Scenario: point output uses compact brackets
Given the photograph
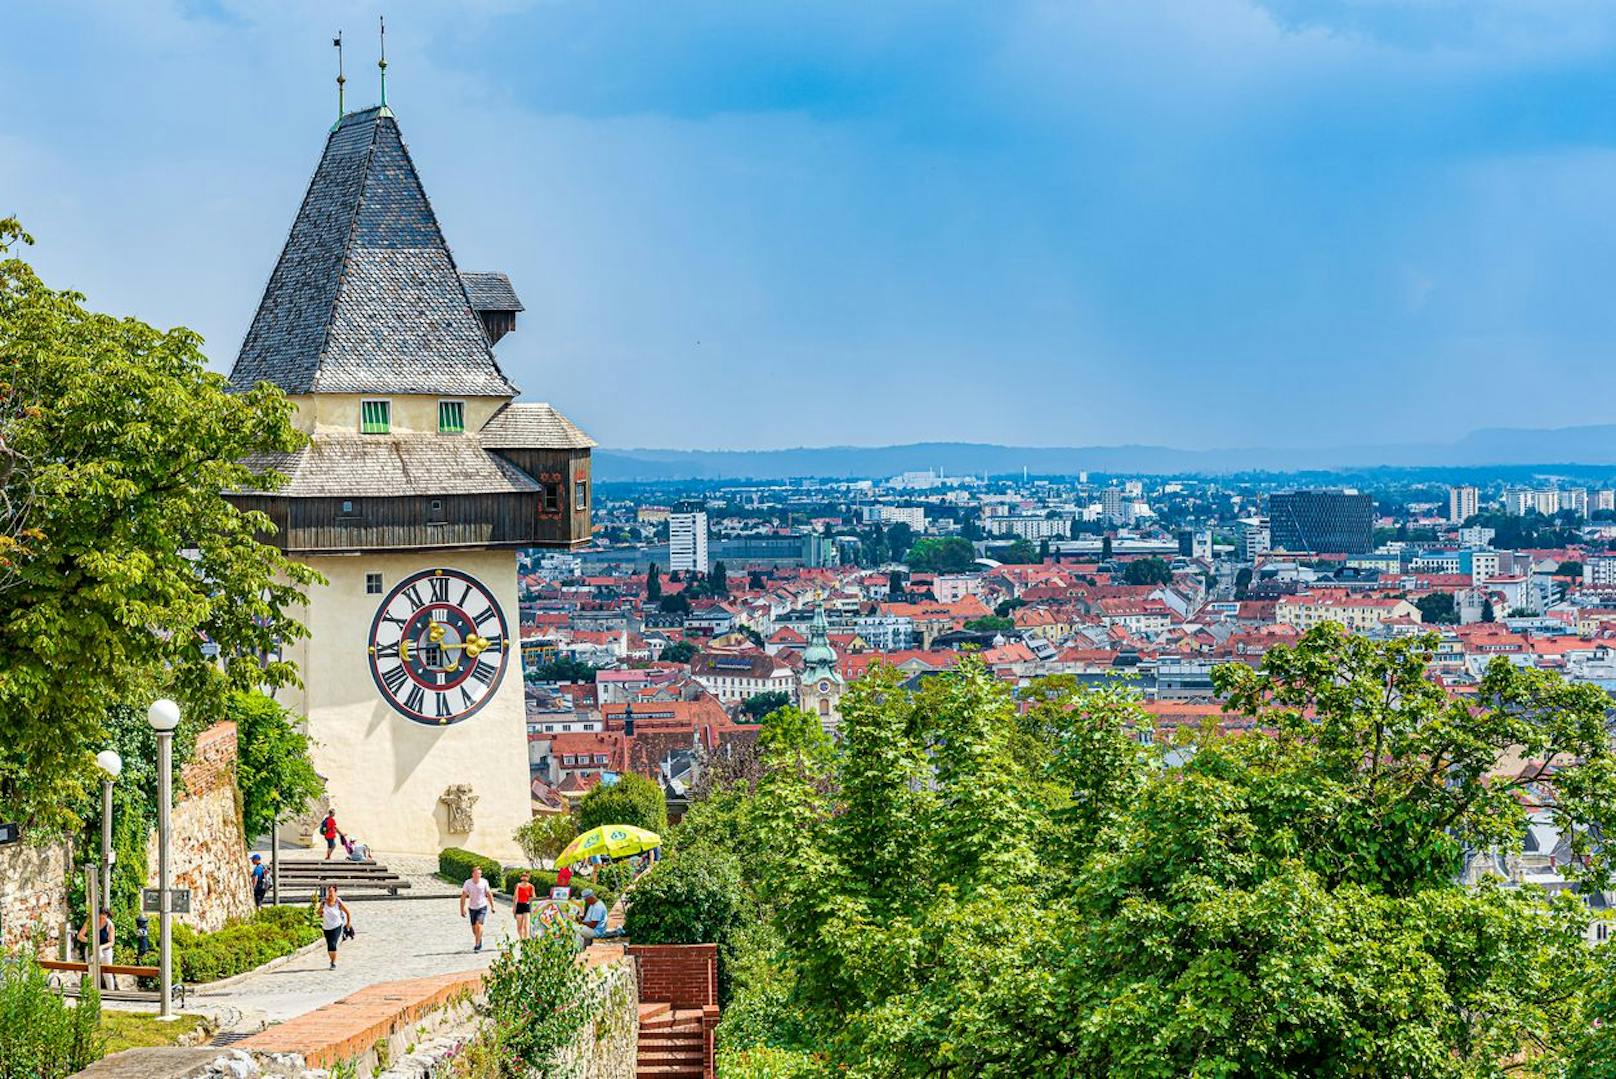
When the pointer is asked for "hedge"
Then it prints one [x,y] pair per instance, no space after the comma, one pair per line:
[455,866]
[242,946]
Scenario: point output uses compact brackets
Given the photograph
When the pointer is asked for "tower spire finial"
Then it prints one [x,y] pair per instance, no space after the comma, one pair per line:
[382,63]
[341,79]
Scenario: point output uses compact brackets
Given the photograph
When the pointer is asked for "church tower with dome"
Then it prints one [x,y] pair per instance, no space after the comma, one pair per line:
[820,689]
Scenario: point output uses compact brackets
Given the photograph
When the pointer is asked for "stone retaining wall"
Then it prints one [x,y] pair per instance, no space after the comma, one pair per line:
[33,892]
[208,850]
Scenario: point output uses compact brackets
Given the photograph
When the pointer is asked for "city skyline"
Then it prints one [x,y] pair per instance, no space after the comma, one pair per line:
[1209,227]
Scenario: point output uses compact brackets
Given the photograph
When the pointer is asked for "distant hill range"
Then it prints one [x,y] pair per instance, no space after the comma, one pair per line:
[1496,447]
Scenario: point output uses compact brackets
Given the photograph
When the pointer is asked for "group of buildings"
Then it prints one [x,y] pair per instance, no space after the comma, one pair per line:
[1160,602]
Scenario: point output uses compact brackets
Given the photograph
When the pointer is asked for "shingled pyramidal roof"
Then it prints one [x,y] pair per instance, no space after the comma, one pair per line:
[366,297]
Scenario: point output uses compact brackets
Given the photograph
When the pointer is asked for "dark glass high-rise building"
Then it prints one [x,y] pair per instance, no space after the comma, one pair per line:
[1321,522]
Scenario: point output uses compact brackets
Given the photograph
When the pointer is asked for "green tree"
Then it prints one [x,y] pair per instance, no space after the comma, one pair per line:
[1147,571]
[1020,552]
[633,799]
[1242,582]
[545,836]
[755,581]
[1569,568]
[1438,609]
[945,554]
[1105,547]
[759,705]
[679,652]
[895,585]
[273,771]
[125,567]
[990,624]
[653,583]
[718,580]
[1488,614]
[675,603]
[564,669]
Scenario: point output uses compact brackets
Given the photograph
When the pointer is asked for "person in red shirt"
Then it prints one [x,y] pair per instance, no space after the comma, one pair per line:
[329,830]
[524,905]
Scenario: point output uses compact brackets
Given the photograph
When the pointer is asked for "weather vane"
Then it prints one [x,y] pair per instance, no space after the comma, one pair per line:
[382,63]
[337,41]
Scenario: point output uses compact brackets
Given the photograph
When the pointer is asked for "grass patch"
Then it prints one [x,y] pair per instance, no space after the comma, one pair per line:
[135,1030]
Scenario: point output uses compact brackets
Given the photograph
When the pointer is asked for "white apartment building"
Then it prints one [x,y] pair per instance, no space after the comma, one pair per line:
[1576,499]
[1116,506]
[1517,500]
[1476,536]
[1033,528]
[1604,499]
[687,541]
[913,516]
[1256,539]
[1463,503]
[1599,570]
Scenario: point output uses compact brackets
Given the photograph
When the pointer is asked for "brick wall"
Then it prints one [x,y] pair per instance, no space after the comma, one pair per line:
[33,892]
[684,975]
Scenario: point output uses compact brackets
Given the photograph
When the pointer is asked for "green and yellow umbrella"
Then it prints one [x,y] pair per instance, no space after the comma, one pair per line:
[612,840]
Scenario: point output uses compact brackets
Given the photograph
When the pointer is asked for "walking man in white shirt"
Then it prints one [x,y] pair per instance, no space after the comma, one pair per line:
[476,897]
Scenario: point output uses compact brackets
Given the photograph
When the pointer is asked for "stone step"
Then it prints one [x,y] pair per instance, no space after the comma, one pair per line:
[674,1033]
[672,1056]
[650,1012]
[671,1071]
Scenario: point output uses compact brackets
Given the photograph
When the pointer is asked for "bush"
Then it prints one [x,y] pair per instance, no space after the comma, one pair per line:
[768,1063]
[242,946]
[694,897]
[40,1036]
[455,866]
[539,998]
[633,799]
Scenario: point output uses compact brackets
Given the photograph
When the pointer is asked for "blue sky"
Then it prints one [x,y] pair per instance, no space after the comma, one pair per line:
[1208,223]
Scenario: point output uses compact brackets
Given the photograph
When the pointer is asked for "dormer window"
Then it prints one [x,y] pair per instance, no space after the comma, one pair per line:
[375,417]
[451,417]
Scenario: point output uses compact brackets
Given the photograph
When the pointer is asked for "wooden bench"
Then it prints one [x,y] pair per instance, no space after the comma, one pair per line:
[70,987]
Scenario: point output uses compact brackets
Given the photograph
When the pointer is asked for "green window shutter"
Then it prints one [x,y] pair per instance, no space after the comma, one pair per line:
[375,417]
[451,417]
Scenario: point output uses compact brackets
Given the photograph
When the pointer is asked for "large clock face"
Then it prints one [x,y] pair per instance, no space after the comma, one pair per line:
[438,646]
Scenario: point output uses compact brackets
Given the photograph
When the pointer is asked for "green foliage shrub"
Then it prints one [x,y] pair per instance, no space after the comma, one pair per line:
[40,1036]
[539,998]
[633,799]
[455,866]
[546,835]
[694,897]
[242,946]
[767,1062]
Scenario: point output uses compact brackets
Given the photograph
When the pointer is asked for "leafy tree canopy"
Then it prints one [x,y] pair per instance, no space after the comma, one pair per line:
[759,705]
[124,567]
[992,623]
[679,652]
[946,554]
[633,799]
[1438,609]
[1147,571]
[964,886]
[564,669]
[273,770]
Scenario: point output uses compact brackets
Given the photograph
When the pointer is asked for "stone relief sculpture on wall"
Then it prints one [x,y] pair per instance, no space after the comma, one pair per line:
[457,801]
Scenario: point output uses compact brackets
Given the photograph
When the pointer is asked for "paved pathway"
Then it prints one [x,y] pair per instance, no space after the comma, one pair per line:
[393,938]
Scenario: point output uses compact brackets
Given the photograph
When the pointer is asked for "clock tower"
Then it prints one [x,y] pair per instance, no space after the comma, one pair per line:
[421,478]
[820,688]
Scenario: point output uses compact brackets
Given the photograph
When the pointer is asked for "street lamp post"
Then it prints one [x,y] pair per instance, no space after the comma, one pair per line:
[112,766]
[164,716]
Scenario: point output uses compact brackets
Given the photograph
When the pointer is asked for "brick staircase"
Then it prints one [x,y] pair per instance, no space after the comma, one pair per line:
[672,1043]
[678,1010]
